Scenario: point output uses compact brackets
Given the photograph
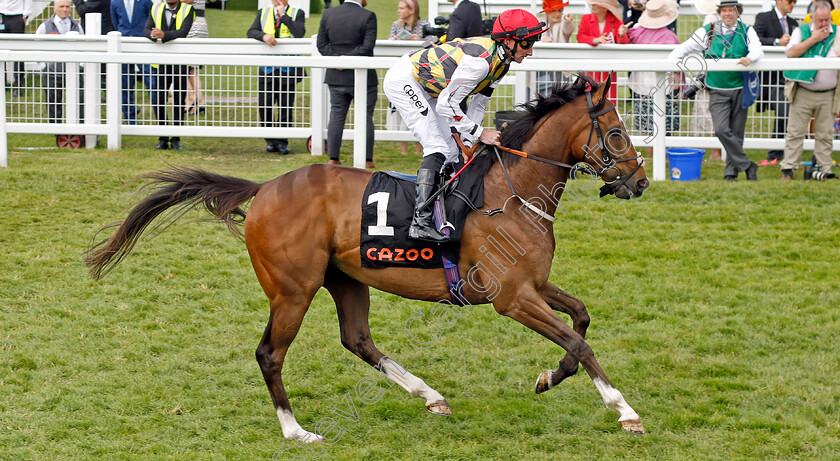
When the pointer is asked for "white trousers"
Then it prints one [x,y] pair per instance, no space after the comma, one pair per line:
[417,109]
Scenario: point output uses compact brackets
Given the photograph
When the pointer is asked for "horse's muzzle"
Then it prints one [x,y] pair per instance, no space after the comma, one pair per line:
[622,191]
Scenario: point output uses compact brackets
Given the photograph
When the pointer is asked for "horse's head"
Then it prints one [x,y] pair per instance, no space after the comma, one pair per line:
[605,145]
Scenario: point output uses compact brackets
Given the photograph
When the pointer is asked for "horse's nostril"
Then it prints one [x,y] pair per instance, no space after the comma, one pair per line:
[642,184]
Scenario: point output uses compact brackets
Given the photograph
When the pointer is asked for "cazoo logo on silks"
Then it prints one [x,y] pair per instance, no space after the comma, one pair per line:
[414,97]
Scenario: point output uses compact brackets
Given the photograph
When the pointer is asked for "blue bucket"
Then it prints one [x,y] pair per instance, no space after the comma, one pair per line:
[685,163]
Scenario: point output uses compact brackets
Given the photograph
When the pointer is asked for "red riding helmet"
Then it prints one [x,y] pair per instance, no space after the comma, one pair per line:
[517,24]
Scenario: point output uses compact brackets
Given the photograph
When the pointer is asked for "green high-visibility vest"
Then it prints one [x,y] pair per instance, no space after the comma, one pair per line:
[733,46]
[820,49]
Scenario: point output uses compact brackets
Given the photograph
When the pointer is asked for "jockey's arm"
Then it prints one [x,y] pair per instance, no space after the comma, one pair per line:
[470,72]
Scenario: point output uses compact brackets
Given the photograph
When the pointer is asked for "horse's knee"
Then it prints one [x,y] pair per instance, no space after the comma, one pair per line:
[579,349]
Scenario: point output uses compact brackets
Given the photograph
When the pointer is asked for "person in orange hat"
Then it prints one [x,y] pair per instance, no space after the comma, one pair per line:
[560,26]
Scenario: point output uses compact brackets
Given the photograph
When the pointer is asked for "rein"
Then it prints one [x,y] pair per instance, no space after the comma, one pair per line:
[607,159]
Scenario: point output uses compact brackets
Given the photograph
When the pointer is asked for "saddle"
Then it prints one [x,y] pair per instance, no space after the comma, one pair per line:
[387,210]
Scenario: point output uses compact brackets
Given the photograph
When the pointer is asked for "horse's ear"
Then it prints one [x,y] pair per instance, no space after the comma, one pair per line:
[605,87]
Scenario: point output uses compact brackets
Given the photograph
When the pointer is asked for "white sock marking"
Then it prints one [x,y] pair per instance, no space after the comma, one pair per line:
[414,385]
[615,401]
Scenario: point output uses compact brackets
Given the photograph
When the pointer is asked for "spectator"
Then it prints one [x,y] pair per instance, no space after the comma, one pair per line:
[601,26]
[835,13]
[560,26]
[53,77]
[129,17]
[632,10]
[560,29]
[103,7]
[814,93]
[195,98]
[15,14]
[347,30]
[465,20]
[727,39]
[168,21]
[277,85]
[409,26]
[429,86]
[773,29]
[652,29]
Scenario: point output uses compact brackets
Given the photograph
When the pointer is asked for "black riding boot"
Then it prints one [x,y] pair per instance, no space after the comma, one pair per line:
[422,226]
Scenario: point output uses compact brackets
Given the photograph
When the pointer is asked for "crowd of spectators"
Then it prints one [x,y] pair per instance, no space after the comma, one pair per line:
[720,99]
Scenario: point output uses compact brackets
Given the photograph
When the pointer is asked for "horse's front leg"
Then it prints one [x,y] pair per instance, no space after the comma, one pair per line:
[561,301]
[528,308]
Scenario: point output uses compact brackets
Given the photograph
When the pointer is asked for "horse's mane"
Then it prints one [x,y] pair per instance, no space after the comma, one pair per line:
[521,130]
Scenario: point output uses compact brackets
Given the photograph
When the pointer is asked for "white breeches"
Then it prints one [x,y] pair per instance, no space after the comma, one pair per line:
[417,109]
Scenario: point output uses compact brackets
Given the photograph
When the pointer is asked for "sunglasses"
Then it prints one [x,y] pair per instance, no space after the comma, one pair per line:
[527,44]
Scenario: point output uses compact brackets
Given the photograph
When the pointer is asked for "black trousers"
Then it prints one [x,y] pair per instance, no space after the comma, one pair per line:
[54,83]
[340,97]
[15,25]
[175,76]
[276,88]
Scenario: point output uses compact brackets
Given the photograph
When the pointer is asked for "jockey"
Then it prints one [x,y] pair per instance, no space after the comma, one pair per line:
[429,88]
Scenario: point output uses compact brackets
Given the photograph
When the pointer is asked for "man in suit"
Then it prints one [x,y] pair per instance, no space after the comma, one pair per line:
[347,30]
[773,29]
[15,14]
[102,7]
[167,22]
[129,17]
[465,20]
[277,84]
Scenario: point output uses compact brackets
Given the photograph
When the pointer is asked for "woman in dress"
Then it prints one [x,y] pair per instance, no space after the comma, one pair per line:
[199,29]
[602,26]
[652,29]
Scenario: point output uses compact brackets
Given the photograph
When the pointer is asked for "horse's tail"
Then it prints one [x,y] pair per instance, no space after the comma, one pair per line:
[182,188]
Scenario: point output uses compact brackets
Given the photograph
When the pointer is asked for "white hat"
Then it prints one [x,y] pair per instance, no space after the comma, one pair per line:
[659,13]
[610,5]
[706,6]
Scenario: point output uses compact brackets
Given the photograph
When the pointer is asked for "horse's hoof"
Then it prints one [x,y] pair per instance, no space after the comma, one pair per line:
[633,426]
[307,437]
[439,408]
[543,382]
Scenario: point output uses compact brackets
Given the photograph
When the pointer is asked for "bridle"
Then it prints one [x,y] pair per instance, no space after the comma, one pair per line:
[608,161]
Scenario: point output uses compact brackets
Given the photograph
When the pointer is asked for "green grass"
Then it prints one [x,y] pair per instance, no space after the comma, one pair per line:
[713,310]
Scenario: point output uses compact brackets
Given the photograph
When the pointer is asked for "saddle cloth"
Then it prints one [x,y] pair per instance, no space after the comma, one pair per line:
[387,211]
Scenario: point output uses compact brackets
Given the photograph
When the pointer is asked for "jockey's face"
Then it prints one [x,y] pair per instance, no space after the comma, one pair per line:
[521,52]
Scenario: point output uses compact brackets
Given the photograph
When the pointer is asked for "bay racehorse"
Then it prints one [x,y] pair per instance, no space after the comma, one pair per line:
[302,232]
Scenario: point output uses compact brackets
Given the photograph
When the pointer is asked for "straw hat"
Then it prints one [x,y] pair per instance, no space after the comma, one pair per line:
[610,5]
[659,13]
[706,6]
[551,5]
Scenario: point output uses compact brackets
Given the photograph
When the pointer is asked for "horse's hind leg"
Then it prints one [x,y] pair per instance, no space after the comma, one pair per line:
[561,301]
[531,310]
[287,313]
[352,300]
